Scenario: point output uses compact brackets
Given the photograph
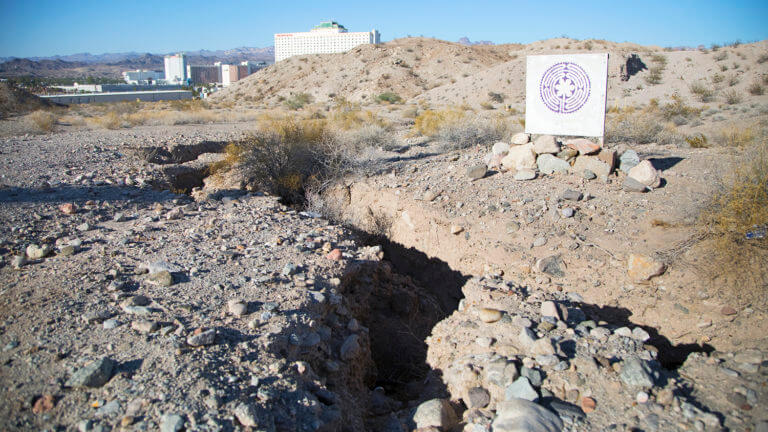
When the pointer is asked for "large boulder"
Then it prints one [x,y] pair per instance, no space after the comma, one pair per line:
[583,146]
[520,157]
[592,163]
[435,413]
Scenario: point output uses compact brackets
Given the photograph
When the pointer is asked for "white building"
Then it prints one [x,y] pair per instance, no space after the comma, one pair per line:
[176,69]
[325,38]
[141,76]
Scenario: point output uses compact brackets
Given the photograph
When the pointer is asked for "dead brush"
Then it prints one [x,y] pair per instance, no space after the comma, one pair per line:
[42,121]
[735,223]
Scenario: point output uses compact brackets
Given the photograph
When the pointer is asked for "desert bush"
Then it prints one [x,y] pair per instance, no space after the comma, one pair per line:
[702,92]
[677,107]
[346,116]
[389,97]
[756,89]
[110,120]
[486,105]
[641,127]
[762,58]
[720,56]
[733,79]
[297,101]
[738,207]
[496,97]
[284,156]
[697,141]
[717,78]
[471,131]
[740,135]
[654,75]
[371,135]
[731,97]
[42,121]
[429,122]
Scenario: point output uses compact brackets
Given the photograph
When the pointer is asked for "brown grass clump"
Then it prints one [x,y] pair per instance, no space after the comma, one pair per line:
[702,92]
[647,125]
[740,135]
[429,122]
[42,121]
[756,89]
[734,222]
[732,97]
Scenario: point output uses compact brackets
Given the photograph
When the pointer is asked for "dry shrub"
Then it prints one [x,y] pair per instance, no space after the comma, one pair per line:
[702,92]
[110,120]
[731,97]
[42,121]
[472,131]
[737,210]
[643,126]
[756,89]
[429,122]
[370,135]
[741,135]
[347,116]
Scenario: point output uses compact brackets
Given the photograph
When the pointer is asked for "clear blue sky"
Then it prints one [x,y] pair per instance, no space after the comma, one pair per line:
[48,27]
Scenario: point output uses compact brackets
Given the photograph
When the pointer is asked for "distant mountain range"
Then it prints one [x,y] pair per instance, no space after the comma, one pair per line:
[110,65]
[465,41]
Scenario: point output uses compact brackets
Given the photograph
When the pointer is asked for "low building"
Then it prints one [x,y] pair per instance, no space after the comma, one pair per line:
[204,74]
[232,73]
[325,38]
[175,69]
[141,76]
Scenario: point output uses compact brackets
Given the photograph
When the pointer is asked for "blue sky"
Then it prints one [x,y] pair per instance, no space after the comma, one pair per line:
[46,27]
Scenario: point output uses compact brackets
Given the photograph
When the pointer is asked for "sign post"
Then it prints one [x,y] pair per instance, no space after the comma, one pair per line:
[566,94]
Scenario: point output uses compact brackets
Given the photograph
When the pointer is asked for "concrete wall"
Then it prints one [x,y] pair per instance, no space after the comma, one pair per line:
[119,97]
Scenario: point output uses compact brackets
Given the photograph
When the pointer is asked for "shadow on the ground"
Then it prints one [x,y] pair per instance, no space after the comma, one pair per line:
[81,194]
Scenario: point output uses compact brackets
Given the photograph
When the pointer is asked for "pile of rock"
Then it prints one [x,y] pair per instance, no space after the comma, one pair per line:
[525,159]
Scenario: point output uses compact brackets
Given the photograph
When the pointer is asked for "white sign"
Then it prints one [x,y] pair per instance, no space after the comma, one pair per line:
[565,94]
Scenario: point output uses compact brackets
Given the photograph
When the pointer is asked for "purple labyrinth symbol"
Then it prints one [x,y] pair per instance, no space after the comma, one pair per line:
[564,88]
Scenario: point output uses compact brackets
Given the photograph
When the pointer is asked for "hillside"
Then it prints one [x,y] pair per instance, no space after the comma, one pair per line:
[446,73]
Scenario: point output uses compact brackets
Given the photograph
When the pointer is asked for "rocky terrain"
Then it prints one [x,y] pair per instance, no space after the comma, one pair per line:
[535,283]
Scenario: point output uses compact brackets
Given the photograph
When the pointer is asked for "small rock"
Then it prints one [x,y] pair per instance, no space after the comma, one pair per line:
[162,278]
[18,261]
[551,265]
[524,174]
[549,309]
[500,148]
[728,311]
[201,337]
[545,144]
[237,307]
[171,423]
[521,415]
[632,185]
[68,208]
[350,348]
[246,414]
[520,157]
[145,326]
[66,251]
[436,413]
[645,173]
[636,373]
[36,252]
[521,389]
[334,255]
[520,138]
[539,241]
[642,397]
[592,163]
[83,227]
[572,195]
[588,404]
[44,404]
[476,172]
[95,374]
[588,175]
[478,397]
[549,164]
[639,334]
[642,268]
[456,229]
[566,213]
[628,160]
[583,146]
[488,315]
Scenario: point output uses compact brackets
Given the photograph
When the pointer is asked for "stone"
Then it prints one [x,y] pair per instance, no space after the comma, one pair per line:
[751,356]
[44,404]
[608,157]
[549,309]
[350,348]
[636,373]
[488,315]
[642,397]
[520,138]
[543,346]
[334,255]
[592,163]
[639,334]
[436,413]
[539,241]
[728,311]
[645,173]
[525,174]
[567,154]
[588,404]
[500,148]
[623,332]
[163,278]
[202,337]
[237,307]
[478,397]
[456,229]
[520,415]
[476,172]
[642,268]
[246,414]
[145,326]
[549,164]
[68,208]
[36,252]
[545,144]
[119,217]
[534,376]
[588,175]
[632,185]
[526,338]
[567,212]
[83,227]
[171,423]
[551,265]
[95,374]
[520,157]
[18,261]
[521,389]
[571,195]
[628,160]
[66,251]
[583,146]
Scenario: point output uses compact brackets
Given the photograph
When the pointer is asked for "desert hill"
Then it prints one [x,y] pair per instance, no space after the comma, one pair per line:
[446,73]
